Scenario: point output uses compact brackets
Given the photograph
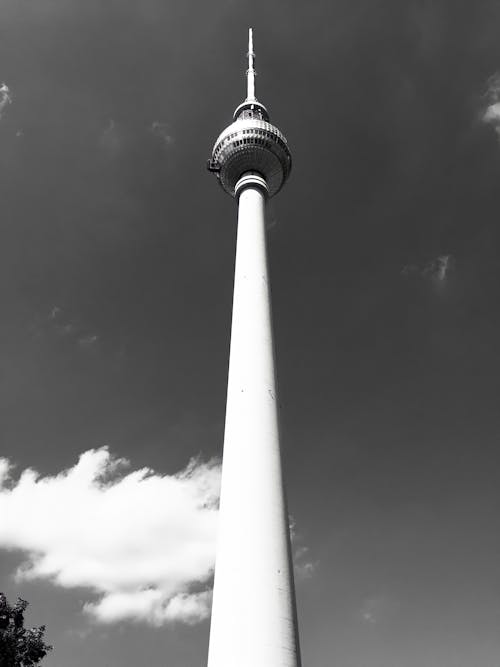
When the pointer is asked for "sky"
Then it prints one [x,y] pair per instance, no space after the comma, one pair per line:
[116,266]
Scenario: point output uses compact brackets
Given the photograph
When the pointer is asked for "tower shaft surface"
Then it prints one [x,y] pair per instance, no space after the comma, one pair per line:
[253,614]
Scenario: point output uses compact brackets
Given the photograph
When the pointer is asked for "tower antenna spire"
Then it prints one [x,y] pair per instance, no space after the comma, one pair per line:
[251,69]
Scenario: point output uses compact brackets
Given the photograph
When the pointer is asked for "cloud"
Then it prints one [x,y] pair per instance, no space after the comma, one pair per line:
[436,269]
[60,322]
[111,139]
[491,112]
[379,609]
[162,130]
[65,327]
[5,97]
[150,604]
[54,312]
[142,542]
[304,567]
[88,341]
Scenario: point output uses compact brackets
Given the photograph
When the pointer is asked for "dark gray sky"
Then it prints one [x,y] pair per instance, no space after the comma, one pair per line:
[116,260]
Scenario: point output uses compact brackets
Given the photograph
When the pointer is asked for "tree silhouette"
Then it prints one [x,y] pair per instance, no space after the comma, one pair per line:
[19,647]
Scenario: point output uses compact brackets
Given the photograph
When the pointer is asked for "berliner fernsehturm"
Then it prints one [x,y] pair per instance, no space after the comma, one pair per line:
[254,620]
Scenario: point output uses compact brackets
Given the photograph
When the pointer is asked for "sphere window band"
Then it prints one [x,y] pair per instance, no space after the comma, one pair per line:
[251,145]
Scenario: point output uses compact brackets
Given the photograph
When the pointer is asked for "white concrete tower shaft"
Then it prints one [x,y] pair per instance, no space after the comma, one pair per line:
[254,620]
[253,613]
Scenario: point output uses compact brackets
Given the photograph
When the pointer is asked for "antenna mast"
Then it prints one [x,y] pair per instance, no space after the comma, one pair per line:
[251,70]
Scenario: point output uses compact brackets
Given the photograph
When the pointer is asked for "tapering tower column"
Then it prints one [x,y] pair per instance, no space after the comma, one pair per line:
[254,620]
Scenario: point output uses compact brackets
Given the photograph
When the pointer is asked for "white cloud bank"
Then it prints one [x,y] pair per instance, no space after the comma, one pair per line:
[143,542]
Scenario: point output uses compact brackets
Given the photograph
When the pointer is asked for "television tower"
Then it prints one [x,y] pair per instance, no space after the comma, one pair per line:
[254,620]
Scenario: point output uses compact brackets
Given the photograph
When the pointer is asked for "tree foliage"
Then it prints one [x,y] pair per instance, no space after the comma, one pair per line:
[19,647]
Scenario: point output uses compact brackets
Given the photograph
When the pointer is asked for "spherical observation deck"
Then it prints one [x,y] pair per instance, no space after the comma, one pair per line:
[251,144]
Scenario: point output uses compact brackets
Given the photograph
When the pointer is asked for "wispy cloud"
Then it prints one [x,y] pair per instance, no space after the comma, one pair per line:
[490,113]
[142,542]
[88,341]
[378,609]
[116,138]
[111,139]
[5,97]
[162,130]
[436,269]
[66,327]
[304,566]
